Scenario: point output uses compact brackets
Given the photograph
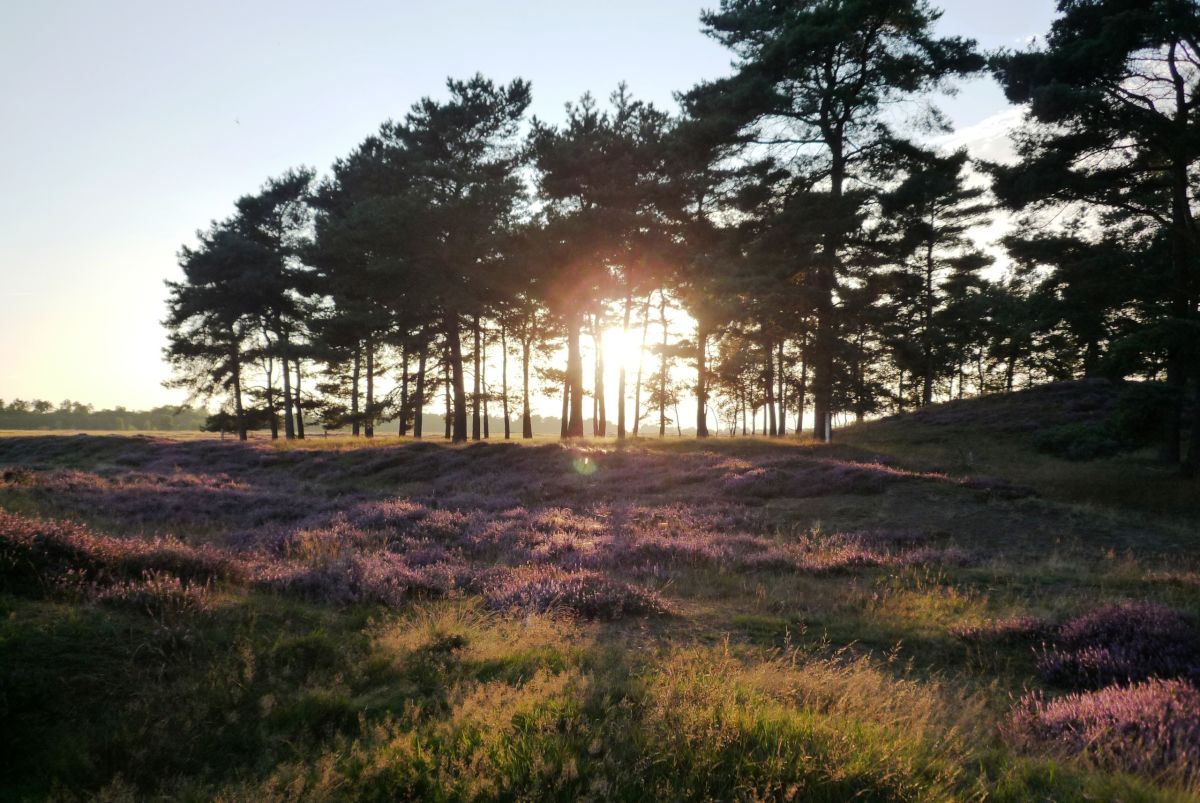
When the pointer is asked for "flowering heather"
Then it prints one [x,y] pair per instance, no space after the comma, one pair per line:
[173,498]
[159,594]
[34,553]
[1151,727]
[375,578]
[588,594]
[1122,643]
[812,478]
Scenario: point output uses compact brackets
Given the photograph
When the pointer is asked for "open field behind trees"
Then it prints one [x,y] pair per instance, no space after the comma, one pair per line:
[896,616]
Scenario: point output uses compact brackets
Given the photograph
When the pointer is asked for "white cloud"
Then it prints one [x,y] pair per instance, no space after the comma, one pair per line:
[988,140]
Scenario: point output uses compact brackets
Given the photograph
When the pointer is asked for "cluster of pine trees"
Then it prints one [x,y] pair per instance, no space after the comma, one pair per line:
[823,252]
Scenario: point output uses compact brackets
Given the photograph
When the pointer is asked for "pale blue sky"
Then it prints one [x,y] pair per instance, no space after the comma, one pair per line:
[128,125]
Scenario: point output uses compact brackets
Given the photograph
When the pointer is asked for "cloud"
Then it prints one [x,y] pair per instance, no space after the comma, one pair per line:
[988,140]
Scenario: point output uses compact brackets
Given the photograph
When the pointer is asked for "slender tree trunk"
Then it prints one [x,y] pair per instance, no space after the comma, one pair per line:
[1182,306]
[272,414]
[487,433]
[566,407]
[459,430]
[662,366]
[289,424]
[803,386]
[403,391]
[595,375]
[446,384]
[369,428]
[678,425]
[621,371]
[299,402]
[637,393]
[504,381]
[526,415]
[419,404]
[769,417]
[927,324]
[701,381]
[475,423]
[575,377]
[601,415]
[744,405]
[782,393]
[826,278]
[235,359]
[355,419]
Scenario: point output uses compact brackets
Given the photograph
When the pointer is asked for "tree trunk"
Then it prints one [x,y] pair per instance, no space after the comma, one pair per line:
[927,324]
[637,392]
[621,371]
[459,429]
[769,417]
[662,366]
[701,382]
[235,359]
[446,385]
[803,390]
[475,423]
[299,403]
[825,280]
[289,424]
[782,393]
[504,381]
[272,417]
[601,409]
[526,415]
[419,405]
[354,377]
[369,428]
[403,391]
[575,377]
[566,407]
[483,381]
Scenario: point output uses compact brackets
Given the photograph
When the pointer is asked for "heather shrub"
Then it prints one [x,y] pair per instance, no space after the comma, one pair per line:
[588,594]
[158,594]
[1151,728]
[34,553]
[376,578]
[1122,643]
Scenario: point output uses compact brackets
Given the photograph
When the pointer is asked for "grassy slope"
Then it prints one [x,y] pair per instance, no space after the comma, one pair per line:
[762,682]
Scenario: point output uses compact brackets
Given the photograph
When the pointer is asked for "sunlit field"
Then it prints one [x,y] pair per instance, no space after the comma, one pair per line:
[880,619]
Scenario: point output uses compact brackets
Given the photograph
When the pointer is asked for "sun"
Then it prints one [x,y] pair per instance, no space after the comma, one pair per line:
[622,349]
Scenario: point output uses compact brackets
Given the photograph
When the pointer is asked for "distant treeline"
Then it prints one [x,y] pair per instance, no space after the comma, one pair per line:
[39,414]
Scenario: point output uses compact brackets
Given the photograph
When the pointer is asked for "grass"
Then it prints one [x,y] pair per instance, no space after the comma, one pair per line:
[729,619]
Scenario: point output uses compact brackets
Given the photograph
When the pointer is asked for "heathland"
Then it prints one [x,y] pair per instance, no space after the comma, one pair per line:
[928,609]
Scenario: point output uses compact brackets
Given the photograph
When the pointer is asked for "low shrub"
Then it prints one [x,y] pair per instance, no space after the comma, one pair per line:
[1150,728]
[588,594]
[1122,643]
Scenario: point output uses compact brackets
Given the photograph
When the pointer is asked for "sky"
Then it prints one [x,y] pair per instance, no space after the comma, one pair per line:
[128,125]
